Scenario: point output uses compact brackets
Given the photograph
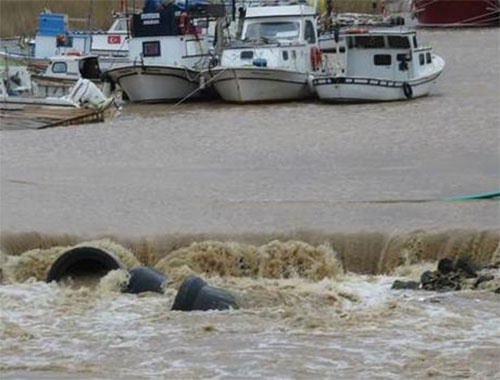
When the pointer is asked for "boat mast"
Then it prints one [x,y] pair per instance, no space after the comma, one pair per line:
[89,17]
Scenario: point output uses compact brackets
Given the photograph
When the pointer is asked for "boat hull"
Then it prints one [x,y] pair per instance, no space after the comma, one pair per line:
[458,12]
[253,85]
[357,90]
[155,84]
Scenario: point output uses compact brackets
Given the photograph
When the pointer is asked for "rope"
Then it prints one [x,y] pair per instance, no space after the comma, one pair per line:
[198,89]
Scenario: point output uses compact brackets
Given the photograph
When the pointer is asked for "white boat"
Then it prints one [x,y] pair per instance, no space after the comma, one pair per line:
[54,38]
[273,59]
[63,72]
[378,65]
[166,55]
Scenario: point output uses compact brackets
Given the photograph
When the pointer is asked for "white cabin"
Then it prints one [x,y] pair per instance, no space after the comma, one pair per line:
[166,46]
[382,53]
[278,36]
[115,40]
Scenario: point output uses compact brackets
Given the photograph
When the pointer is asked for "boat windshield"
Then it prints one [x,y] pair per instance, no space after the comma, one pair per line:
[273,30]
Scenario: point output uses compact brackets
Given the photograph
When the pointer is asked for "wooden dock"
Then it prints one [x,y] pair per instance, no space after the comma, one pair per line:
[14,116]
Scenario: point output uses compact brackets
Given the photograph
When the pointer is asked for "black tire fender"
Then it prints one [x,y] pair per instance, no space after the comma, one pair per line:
[145,279]
[64,264]
[408,91]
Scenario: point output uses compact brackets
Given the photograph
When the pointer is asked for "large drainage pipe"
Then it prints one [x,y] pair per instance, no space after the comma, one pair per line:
[195,294]
[83,261]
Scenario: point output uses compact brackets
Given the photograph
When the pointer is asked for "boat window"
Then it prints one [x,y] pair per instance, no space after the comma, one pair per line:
[247,54]
[120,26]
[428,57]
[415,45]
[294,54]
[285,55]
[275,30]
[421,58]
[310,35]
[151,49]
[403,57]
[382,59]
[369,42]
[59,67]
[398,42]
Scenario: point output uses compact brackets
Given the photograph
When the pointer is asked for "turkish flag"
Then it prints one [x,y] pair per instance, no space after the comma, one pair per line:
[113,40]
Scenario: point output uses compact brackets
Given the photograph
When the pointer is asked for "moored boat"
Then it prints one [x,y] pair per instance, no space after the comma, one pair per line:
[273,58]
[63,72]
[457,12]
[166,54]
[379,65]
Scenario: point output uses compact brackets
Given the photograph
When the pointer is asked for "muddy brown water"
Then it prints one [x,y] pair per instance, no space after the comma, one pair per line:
[364,186]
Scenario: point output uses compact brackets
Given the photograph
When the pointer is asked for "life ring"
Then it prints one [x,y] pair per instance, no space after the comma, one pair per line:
[408,91]
[315,58]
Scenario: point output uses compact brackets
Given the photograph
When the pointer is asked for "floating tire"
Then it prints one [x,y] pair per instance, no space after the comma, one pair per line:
[408,91]
[83,260]
[145,279]
[195,294]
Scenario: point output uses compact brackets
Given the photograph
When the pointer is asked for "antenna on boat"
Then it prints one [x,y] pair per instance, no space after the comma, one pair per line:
[89,17]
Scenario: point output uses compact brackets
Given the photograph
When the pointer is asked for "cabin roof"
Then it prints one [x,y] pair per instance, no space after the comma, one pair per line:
[280,11]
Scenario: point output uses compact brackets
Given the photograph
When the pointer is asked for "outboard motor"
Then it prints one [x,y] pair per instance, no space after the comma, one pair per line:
[86,94]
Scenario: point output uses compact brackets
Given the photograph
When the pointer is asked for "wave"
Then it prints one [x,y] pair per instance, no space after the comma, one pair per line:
[311,255]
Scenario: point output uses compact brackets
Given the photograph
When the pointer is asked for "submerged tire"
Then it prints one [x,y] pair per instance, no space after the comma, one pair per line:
[187,293]
[83,260]
[210,298]
[145,279]
[195,294]
[408,91]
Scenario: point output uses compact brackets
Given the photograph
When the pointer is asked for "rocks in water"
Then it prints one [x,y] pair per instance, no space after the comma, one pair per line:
[435,280]
[483,278]
[405,285]
[451,274]
[465,267]
[445,266]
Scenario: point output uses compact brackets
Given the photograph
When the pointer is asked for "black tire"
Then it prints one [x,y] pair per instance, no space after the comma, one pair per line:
[408,91]
[187,293]
[86,259]
[210,298]
[145,279]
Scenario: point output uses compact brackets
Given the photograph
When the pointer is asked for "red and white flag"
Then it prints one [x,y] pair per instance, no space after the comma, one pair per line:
[113,40]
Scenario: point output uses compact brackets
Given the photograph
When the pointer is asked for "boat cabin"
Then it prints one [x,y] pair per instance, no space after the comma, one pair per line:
[171,36]
[115,40]
[383,54]
[53,37]
[73,67]
[275,36]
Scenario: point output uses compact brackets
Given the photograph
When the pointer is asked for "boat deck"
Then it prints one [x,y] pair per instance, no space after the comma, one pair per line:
[36,116]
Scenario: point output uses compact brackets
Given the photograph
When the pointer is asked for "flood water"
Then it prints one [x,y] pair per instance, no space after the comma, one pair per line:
[371,181]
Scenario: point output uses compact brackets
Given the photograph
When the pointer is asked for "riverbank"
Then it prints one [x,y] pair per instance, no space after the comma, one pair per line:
[20,17]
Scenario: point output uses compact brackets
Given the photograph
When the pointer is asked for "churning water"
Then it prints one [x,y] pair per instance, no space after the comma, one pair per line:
[306,212]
